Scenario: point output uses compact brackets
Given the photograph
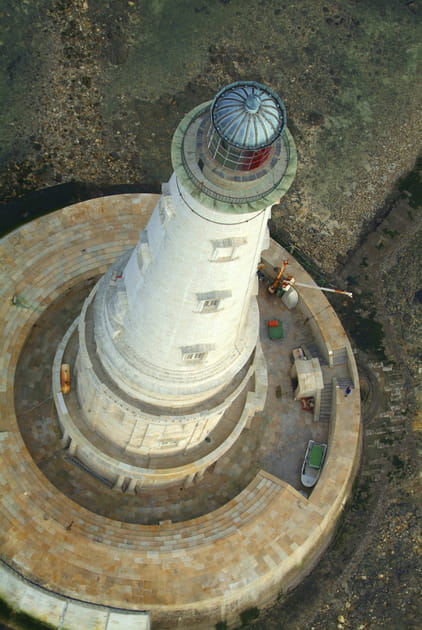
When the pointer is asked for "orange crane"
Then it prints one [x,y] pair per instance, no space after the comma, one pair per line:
[274,286]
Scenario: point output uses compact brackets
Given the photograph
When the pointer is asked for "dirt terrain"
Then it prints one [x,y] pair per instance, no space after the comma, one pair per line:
[371,577]
[93,90]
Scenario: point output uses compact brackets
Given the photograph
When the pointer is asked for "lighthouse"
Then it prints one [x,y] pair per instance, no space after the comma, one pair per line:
[168,339]
[166,490]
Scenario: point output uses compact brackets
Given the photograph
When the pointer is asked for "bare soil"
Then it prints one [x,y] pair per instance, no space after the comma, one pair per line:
[93,90]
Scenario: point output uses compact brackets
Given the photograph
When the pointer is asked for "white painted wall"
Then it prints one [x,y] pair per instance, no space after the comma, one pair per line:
[142,336]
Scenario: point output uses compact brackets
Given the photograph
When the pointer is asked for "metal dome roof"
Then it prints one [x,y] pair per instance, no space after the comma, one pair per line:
[248,115]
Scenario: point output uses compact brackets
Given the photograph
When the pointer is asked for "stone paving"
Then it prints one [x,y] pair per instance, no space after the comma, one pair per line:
[275,441]
[256,533]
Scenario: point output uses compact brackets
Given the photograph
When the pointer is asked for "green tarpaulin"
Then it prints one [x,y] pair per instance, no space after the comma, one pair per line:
[315,456]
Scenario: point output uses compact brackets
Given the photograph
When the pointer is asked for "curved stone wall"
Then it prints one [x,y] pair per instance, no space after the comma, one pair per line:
[129,471]
[129,425]
[185,575]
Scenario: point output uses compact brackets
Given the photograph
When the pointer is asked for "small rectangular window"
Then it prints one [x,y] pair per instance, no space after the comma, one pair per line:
[143,252]
[225,249]
[198,352]
[210,305]
[223,254]
[212,300]
[162,211]
[165,206]
[194,356]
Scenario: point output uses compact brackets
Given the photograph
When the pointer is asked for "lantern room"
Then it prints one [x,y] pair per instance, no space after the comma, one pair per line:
[235,153]
[247,118]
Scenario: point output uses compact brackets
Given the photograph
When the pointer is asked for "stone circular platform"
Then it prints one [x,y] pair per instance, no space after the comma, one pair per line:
[129,469]
[69,565]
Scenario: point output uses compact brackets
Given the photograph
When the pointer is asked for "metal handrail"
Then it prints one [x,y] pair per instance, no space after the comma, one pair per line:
[225,198]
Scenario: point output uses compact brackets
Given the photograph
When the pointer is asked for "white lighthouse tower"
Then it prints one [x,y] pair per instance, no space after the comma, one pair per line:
[168,339]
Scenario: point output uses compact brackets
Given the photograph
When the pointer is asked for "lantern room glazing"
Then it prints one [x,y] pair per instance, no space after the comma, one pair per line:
[246,119]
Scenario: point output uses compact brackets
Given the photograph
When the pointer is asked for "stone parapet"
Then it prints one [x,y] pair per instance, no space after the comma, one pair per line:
[62,612]
[146,430]
[186,575]
[327,330]
[126,470]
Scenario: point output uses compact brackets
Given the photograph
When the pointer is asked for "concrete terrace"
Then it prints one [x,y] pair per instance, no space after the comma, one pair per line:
[275,441]
[243,532]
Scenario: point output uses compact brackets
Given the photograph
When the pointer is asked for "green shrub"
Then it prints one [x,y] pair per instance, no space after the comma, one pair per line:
[27,622]
[412,185]
[5,610]
[249,615]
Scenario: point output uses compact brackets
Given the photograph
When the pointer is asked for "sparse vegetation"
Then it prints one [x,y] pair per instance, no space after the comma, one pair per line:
[411,185]
[249,615]
[391,233]
[361,324]
[26,622]
[5,610]
[21,620]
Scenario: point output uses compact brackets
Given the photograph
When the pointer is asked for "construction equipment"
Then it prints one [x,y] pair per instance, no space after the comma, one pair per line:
[274,286]
[289,282]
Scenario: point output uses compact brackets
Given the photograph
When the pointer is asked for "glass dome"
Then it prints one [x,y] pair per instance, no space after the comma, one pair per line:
[235,153]
[248,115]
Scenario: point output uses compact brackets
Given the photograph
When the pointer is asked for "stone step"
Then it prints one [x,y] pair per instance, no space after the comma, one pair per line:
[312,350]
[326,403]
[340,356]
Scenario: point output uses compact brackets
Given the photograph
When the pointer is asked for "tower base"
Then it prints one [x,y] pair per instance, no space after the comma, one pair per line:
[131,466]
[203,569]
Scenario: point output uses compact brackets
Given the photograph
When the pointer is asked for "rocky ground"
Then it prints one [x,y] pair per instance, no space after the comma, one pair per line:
[95,88]
[92,92]
[371,577]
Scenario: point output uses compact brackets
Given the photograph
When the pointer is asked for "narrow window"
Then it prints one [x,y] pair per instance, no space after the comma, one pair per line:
[210,305]
[143,253]
[194,356]
[226,249]
[212,301]
[165,207]
[196,353]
